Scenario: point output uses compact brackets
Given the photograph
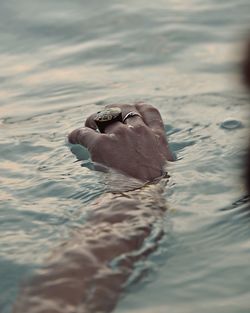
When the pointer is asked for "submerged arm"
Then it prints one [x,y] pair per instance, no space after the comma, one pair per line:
[87,273]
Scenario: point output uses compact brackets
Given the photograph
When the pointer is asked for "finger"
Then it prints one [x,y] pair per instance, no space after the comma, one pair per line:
[127,108]
[151,117]
[90,122]
[111,128]
[115,128]
[84,136]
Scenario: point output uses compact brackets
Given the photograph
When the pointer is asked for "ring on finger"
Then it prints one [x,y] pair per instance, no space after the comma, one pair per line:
[130,114]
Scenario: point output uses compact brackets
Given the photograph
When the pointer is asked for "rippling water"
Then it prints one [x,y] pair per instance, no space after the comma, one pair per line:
[61,61]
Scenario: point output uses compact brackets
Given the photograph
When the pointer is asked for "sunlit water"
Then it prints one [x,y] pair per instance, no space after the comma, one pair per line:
[61,61]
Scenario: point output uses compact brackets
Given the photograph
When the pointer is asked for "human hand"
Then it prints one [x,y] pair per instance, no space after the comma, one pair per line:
[137,148]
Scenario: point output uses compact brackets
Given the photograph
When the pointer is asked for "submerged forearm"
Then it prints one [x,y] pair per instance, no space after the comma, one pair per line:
[88,273]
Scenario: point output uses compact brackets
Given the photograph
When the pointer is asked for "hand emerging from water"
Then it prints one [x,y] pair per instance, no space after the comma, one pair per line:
[137,148]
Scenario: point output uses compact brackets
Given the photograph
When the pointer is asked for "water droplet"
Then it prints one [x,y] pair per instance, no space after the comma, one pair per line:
[231,123]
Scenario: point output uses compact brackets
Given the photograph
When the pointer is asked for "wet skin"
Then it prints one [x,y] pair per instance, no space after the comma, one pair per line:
[118,225]
[137,148]
[87,273]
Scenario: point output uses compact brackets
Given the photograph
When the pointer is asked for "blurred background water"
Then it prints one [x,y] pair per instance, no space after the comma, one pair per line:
[61,61]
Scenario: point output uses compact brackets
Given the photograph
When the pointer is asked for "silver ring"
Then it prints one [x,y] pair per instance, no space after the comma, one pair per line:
[130,114]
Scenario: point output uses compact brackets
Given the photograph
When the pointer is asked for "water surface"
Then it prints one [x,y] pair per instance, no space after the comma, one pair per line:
[62,61]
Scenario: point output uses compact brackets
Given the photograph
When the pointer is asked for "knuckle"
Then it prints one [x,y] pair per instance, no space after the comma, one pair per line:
[90,121]
[151,110]
[73,137]
[141,128]
[146,107]
[120,129]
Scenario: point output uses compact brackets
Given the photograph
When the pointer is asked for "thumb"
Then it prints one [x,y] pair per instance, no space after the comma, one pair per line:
[84,136]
